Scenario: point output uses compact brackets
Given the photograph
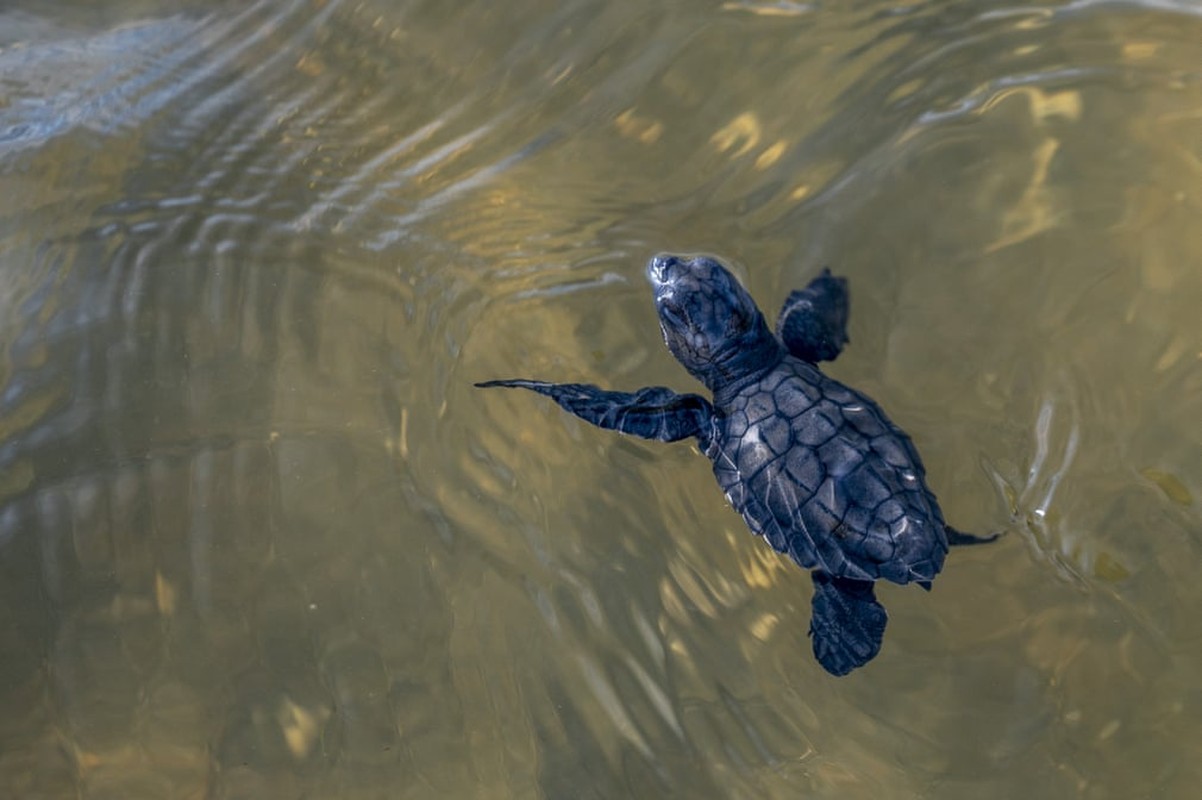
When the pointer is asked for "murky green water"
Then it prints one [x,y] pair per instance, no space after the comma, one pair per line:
[259,537]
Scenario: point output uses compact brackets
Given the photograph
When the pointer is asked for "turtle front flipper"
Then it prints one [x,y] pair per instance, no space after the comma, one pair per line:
[848,623]
[813,321]
[656,412]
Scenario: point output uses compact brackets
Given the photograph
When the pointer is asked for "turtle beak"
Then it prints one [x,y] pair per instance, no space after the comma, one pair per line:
[662,271]
[659,269]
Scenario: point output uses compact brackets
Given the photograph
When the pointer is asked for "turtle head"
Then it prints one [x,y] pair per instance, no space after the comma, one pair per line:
[709,321]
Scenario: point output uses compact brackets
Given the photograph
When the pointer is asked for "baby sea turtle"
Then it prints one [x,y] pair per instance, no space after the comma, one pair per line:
[814,466]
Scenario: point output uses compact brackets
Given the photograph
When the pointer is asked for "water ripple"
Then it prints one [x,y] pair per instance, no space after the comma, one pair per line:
[262,538]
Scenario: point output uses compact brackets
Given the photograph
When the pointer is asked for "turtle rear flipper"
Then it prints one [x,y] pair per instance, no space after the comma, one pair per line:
[655,412]
[848,623]
[813,320]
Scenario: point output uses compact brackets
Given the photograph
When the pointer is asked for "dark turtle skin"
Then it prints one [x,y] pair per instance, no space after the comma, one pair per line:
[812,465]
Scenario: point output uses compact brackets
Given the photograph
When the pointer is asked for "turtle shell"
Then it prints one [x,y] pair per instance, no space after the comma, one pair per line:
[820,472]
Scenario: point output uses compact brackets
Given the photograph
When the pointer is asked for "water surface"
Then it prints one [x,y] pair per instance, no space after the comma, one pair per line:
[259,537]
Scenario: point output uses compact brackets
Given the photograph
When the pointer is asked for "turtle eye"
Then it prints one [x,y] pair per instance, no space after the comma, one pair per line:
[671,313]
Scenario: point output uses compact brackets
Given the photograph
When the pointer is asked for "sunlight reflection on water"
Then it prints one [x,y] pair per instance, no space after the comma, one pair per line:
[261,538]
